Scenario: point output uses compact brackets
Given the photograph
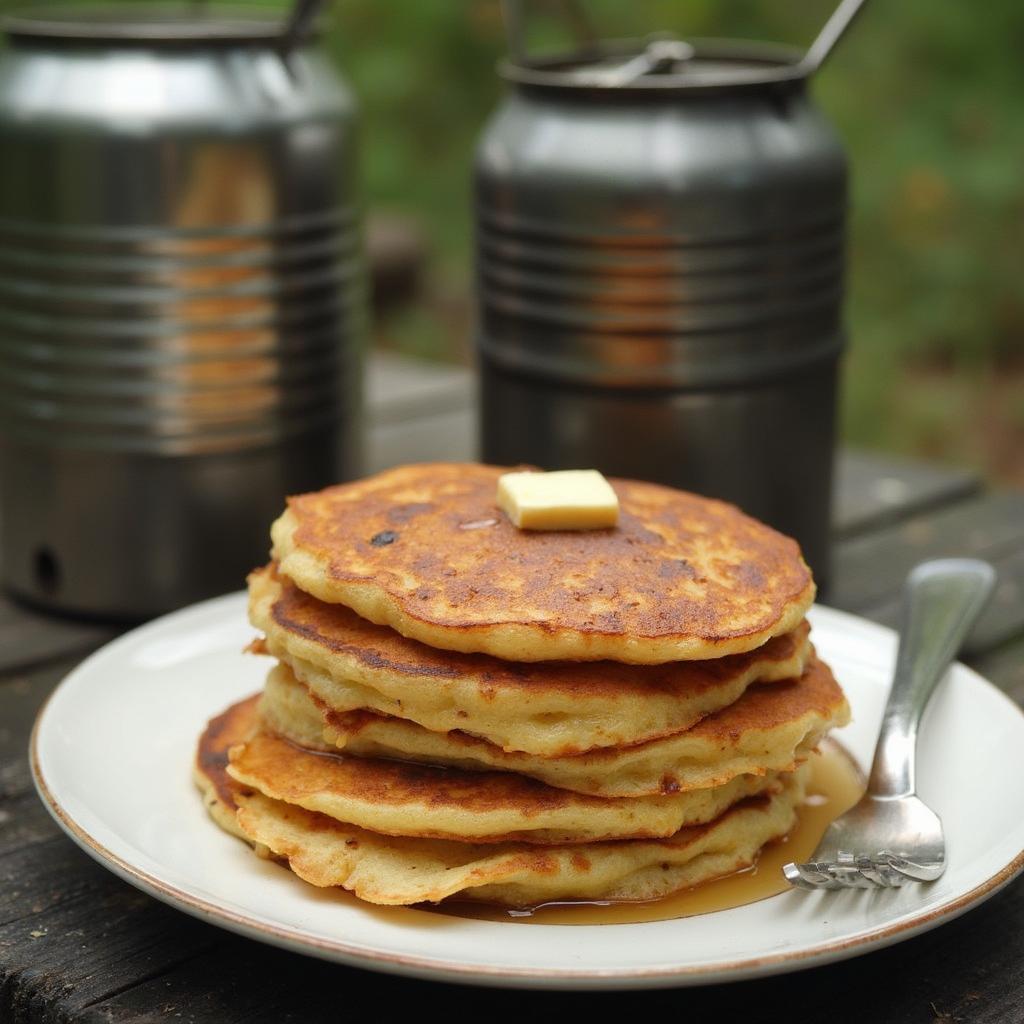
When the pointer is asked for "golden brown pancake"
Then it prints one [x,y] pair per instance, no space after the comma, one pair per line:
[425,549]
[209,769]
[404,799]
[549,708]
[402,870]
[771,728]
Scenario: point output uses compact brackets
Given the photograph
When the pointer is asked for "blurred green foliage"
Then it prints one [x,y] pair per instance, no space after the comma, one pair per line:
[929,97]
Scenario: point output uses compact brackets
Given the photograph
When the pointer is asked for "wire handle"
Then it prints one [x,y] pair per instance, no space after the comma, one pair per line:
[817,53]
[300,23]
[834,29]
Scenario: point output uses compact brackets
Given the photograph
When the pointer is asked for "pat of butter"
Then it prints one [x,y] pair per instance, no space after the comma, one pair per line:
[569,499]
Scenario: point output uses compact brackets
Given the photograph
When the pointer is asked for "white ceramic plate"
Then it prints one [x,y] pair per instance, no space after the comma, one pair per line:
[112,754]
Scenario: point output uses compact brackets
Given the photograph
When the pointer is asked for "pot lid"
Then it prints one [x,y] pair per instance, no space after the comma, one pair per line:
[662,64]
[144,23]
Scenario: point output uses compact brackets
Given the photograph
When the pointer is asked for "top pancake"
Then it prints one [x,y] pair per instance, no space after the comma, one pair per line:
[425,549]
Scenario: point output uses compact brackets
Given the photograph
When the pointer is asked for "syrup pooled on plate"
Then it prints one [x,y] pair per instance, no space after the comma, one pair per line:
[836,784]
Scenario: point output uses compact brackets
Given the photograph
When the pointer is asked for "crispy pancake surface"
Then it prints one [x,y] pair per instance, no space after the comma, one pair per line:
[549,708]
[771,728]
[402,870]
[424,549]
[209,769]
[402,799]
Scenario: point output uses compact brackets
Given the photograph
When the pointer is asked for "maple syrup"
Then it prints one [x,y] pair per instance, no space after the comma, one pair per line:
[835,785]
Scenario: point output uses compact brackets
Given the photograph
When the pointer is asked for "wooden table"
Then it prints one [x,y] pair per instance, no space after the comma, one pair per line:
[77,944]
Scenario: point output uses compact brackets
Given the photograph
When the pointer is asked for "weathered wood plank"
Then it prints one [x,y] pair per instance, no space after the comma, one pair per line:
[875,490]
[398,388]
[51,874]
[968,970]
[1003,618]
[245,983]
[441,437]
[20,697]
[29,637]
[869,570]
[72,934]
[1004,666]
[23,819]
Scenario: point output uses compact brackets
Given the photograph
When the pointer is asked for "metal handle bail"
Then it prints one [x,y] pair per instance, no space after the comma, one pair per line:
[659,50]
[833,30]
[300,23]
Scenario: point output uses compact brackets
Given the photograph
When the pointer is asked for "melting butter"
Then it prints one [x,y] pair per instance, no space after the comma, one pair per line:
[570,499]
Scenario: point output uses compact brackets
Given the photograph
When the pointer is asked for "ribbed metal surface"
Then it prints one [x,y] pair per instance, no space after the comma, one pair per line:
[111,344]
[660,281]
[181,305]
[655,314]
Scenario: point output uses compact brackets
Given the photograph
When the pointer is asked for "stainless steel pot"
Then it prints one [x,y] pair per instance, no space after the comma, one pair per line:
[660,236]
[181,298]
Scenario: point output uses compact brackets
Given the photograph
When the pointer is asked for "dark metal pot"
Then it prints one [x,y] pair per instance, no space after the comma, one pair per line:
[181,298]
[660,274]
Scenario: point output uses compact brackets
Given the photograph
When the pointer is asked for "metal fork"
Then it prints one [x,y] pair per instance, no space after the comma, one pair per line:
[891,836]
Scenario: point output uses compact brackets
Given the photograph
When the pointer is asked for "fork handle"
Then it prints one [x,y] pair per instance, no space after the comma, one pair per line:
[941,601]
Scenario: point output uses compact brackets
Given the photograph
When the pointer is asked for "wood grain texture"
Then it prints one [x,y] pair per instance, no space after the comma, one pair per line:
[967,970]
[29,637]
[872,492]
[1002,620]
[870,567]
[97,950]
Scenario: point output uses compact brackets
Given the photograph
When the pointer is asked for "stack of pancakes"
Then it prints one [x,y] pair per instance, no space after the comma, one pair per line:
[460,708]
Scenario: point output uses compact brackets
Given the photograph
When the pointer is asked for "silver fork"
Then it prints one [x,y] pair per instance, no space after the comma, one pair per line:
[891,836]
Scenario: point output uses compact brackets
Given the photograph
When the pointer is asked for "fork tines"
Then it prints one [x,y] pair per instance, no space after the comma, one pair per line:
[854,871]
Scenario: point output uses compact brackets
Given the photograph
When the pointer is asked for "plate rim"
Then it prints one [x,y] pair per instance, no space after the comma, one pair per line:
[450,971]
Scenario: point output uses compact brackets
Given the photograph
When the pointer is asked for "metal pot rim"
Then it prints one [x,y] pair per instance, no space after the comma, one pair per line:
[158,25]
[754,64]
